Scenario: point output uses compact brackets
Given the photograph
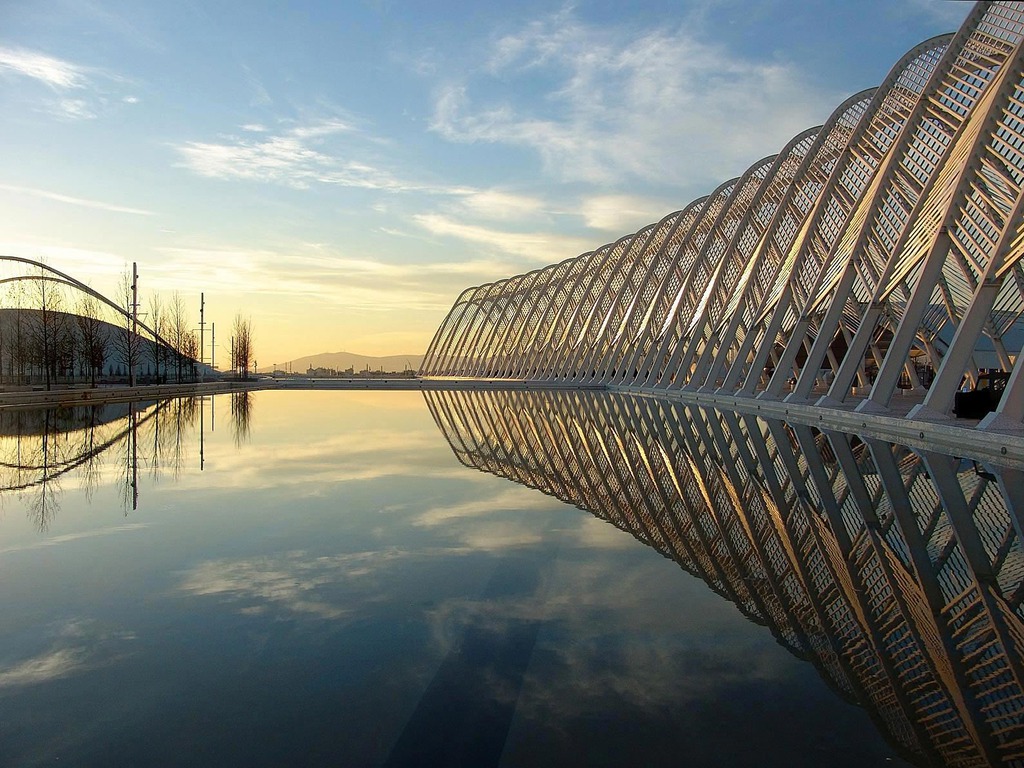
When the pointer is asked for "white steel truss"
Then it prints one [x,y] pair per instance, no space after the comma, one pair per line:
[883,245]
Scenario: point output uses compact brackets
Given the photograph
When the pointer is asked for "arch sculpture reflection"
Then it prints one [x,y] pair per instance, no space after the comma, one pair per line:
[878,252]
[896,573]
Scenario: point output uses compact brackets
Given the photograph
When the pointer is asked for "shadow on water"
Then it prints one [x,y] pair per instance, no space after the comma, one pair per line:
[897,574]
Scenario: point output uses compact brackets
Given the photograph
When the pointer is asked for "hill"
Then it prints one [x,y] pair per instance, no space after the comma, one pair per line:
[342,360]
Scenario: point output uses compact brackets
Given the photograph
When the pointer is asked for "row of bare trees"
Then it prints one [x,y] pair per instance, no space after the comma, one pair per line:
[46,339]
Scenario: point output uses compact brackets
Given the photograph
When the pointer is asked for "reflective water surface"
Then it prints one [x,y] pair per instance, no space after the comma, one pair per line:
[316,578]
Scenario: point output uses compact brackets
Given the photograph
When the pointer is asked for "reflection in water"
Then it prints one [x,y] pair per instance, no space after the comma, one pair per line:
[39,448]
[898,574]
[241,415]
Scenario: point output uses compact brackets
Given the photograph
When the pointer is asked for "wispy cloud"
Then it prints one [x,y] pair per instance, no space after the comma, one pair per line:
[325,274]
[79,201]
[544,247]
[501,206]
[77,92]
[54,72]
[663,105]
[260,96]
[622,213]
[297,157]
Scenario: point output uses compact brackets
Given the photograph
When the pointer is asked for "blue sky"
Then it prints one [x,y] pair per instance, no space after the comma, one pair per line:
[340,171]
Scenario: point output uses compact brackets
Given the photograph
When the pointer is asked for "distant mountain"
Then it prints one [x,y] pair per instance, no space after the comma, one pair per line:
[343,360]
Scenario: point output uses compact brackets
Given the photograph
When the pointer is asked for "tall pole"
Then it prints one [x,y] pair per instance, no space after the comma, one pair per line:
[202,340]
[133,339]
[213,345]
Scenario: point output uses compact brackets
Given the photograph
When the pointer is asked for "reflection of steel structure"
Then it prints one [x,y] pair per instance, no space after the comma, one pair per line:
[873,251]
[897,574]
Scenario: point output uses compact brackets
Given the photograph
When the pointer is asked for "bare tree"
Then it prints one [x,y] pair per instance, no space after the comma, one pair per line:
[48,327]
[190,353]
[18,355]
[92,335]
[158,324]
[241,348]
[126,341]
[177,326]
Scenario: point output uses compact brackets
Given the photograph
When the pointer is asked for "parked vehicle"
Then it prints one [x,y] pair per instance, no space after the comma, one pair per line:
[984,398]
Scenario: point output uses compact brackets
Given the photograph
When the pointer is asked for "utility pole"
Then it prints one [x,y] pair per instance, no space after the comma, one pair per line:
[202,340]
[133,339]
[213,345]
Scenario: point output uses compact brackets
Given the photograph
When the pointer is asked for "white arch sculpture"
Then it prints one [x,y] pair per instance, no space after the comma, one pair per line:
[887,240]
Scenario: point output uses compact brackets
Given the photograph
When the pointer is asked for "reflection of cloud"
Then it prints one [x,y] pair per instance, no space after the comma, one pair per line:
[514,498]
[43,668]
[339,458]
[68,537]
[291,580]
[668,640]
[80,645]
[595,533]
[480,525]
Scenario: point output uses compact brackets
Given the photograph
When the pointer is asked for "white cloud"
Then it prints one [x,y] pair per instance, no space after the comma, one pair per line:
[74,109]
[322,128]
[545,247]
[622,213]
[54,72]
[94,90]
[662,106]
[309,271]
[296,158]
[497,205]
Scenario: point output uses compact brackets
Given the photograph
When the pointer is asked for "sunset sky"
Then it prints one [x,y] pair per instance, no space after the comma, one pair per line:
[340,171]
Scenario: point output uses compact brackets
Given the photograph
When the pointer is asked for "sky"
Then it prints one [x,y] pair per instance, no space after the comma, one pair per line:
[340,171]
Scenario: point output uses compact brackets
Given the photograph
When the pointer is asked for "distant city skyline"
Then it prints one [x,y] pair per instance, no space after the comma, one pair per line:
[341,171]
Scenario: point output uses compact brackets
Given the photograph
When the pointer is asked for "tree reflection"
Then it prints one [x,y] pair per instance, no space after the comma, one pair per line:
[241,415]
[40,449]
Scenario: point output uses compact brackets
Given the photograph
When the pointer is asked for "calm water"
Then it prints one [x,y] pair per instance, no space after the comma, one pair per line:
[315,578]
